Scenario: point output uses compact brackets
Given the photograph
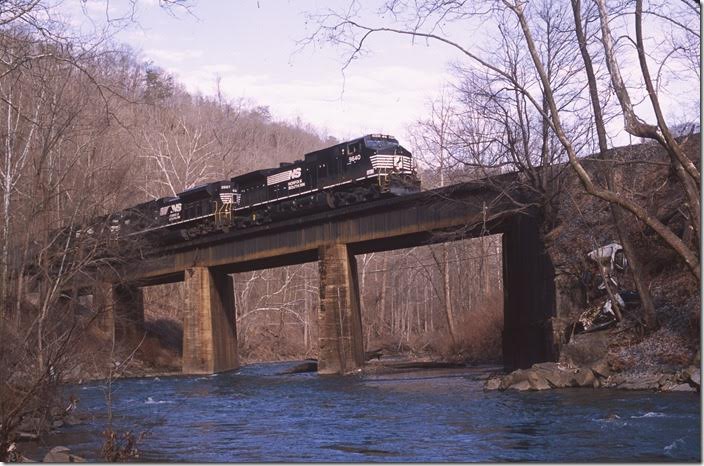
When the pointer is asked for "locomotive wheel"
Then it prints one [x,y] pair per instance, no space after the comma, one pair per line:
[330,199]
[341,199]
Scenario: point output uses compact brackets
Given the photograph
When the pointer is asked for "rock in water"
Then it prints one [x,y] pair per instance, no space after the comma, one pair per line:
[695,376]
[62,455]
[493,383]
[585,350]
[306,366]
[642,382]
[544,376]
[682,387]
[521,386]
[537,382]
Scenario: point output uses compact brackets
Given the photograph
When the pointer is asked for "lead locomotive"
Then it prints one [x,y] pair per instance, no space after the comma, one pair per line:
[356,171]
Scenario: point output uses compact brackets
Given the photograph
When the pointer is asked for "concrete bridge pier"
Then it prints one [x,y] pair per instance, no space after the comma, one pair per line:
[128,312]
[121,310]
[339,316]
[529,296]
[209,328]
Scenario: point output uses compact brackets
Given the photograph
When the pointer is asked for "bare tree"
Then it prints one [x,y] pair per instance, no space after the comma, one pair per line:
[540,71]
[431,144]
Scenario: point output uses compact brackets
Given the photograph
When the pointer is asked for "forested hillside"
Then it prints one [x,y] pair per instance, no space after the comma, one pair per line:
[89,128]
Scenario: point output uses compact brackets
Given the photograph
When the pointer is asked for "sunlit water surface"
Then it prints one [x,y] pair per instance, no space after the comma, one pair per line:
[254,414]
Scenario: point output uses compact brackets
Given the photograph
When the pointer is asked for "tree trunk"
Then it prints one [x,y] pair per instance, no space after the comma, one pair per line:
[608,172]
[447,295]
[382,297]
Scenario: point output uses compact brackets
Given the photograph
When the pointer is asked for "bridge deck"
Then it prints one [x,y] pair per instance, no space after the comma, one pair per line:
[463,210]
[333,237]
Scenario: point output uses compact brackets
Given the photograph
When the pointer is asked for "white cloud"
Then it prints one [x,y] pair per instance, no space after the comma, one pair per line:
[166,56]
[386,100]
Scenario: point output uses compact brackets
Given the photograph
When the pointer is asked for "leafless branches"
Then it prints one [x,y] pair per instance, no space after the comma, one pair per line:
[536,76]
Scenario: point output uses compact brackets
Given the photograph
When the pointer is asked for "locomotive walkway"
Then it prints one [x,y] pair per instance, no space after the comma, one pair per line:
[333,238]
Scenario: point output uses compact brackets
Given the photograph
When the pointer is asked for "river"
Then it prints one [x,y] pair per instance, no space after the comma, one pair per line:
[254,414]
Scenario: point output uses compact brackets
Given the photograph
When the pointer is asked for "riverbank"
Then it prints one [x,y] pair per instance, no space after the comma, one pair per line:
[403,414]
[540,377]
[550,375]
[618,358]
[608,359]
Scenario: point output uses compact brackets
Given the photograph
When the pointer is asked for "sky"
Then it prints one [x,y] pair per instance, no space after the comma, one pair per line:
[253,47]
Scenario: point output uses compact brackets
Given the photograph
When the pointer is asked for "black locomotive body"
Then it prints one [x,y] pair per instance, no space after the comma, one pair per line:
[344,174]
[356,171]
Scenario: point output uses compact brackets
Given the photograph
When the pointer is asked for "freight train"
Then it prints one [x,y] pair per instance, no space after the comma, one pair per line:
[355,171]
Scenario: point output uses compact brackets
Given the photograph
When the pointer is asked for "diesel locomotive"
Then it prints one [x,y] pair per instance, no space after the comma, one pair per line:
[351,172]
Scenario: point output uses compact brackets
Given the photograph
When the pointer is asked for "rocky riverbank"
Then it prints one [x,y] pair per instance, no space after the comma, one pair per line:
[549,375]
[610,360]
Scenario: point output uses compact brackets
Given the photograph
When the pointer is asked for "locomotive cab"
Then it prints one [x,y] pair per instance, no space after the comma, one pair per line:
[392,164]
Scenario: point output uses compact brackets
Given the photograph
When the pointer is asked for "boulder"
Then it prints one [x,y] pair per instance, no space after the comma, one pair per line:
[62,455]
[641,382]
[585,349]
[547,375]
[493,383]
[601,368]
[513,378]
[583,378]
[537,381]
[683,387]
[693,374]
[521,386]
[614,380]
[672,379]
[554,374]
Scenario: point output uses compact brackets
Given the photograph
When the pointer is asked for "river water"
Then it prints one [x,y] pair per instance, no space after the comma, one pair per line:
[254,414]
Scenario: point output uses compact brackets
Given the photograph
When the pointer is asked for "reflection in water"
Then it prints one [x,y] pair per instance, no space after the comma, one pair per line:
[441,415]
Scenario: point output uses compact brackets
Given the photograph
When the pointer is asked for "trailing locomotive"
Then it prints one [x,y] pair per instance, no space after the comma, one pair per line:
[355,171]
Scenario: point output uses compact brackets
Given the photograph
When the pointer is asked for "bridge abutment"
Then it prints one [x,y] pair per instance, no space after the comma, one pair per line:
[121,310]
[209,329]
[529,296]
[339,316]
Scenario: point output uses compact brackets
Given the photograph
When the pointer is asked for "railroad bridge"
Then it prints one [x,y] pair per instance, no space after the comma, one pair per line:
[333,238]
